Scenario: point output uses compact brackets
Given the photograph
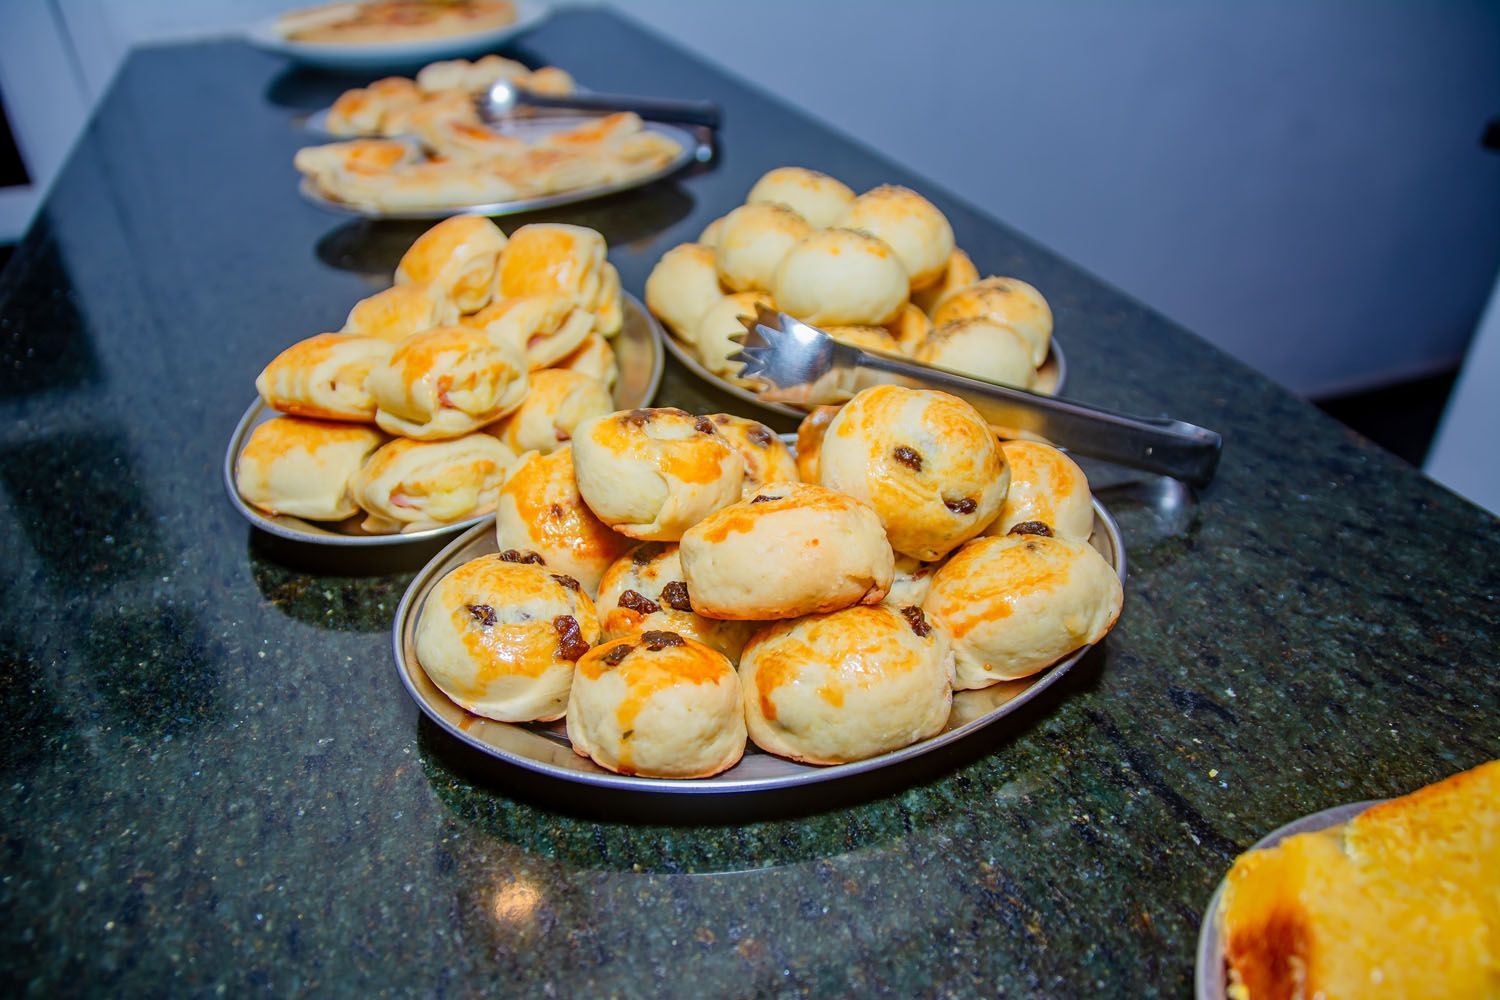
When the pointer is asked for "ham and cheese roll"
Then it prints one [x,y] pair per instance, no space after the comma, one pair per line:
[551,258]
[545,327]
[446,383]
[373,110]
[594,358]
[459,257]
[410,485]
[559,401]
[304,467]
[400,311]
[324,377]
[358,157]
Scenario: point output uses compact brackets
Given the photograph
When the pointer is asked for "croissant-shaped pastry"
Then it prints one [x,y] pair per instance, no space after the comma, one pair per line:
[304,467]
[422,187]
[545,328]
[324,377]
[329,164]
[400,311]
[410,485]
[446,383]
[558,402]
[552,257]
[459,257]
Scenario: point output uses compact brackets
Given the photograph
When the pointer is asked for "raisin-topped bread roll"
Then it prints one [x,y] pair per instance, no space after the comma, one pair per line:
[646,589]
[545,327]
[1046,487]
[912,225]
[501,638]
[810,441]
[594,358]
[400,311]
[842,277]
[653,473]
[304,467]
[659,705]
[791,549]
[682,286]
[845,686]
[981,348]
[767,458]
[1008,301]
[558,402]
[960,273]
[323,377]
[815,196]
[553,257]
[446,383]
[411,485]
[752,243]
[459,257]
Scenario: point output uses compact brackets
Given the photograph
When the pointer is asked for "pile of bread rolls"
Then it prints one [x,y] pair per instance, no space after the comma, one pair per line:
[483,349]
[673,584]
[878,270]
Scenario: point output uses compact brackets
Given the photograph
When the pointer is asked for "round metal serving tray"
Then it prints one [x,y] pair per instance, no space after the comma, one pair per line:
[544,747]
[637,350]
[690,149]
[1212,976]
[1050,377]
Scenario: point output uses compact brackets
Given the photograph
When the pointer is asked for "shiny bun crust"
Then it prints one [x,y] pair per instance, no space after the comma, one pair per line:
[1008,301]
[840,687]
[682,286]
[594,358]
[924,460]
[1016,604]
[324,377]
[646,589]
[410,485]
[710,235]
[304,467]
[752,243]
[960,273]
[810,441]
[980,348]
[501,638]
[791,549]
[458,257]
[1047,487]
[910,327]
[659,705]
[540,510]
[912,581]
[767,458]
[816,197]
[653,473]
[718,329]
[841,277]
[555,258]
[400,311]
[545,327]
[559,400]
[446,383]
[912,225]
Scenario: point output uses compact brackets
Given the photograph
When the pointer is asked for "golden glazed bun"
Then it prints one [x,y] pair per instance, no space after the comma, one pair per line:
[841,277]
[540,511]
[458,257]
[682,286]
[304,467]
[710,235]
[1017,604]
[552,257]
[411,485]
[910,327]
[1008,301]
[912,226]
[767,458]
[323,377]
[544,327]
[924,460]
[753,241]
[1046,487]
[446,383]
[501,638]
[400,311]
[979,348]
[558,402]
[810,441]
[659,705]
[653,473]
[720,329]
[359,157]
[960,273]
[816,197]
[840,687]
[646,589]
[594,358]
[911,583]
[789,550]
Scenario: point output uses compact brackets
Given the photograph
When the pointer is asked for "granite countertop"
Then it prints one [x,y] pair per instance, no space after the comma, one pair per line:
[214,781]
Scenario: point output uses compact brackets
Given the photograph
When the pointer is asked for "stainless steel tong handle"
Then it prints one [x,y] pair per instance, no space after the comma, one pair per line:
[703,113]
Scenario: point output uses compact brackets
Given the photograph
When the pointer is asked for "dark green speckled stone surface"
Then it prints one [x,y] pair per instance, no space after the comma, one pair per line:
[214,782]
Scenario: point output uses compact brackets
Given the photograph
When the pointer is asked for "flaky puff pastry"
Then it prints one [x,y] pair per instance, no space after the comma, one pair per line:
[324,377]
[356,157]
[1046,487]
[912,225]
[960,273]
[411,485]
[304,467]
[980,348]
[791,549]
[1017,604]
[553,257]
[646,589]
[841,277]
[653,473]
[682,286]
[373,110]
[846,686]
[1008,301]
[446,383]
[659,705]
[752,243]
[558,401]
[721,329]
[767,458]
[810,441]
[545,327]
[815,196]
[470,77]
[501,638]
[459,257]
[400,311]
[432,186]
[541,511]
[594,358]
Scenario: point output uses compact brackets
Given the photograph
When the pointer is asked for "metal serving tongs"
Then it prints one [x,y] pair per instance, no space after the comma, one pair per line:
[502,98]
[801,364]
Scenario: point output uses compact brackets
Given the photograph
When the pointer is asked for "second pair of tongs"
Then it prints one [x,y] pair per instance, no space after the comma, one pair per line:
[798,363]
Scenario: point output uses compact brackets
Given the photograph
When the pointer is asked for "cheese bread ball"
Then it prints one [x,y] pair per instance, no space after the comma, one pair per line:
[752,243]
[910,327]
[658,705]
[500,638]
[1009,301]
[911,582]
[1046,487]
[720,331]
[1018,603]
[840,687]
[767,458]
[960,273]
[841,277]
[558,402]
[646,589]
[681,287]
[868,338]
[653,473]
[815,196]
[710,235]
[912,225]
[924,460]
[810,441]
[979,348]
[791,549]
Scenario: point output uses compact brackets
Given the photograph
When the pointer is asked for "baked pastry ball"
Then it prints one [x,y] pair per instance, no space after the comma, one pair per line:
[541,511]
[810,441]
[767,458]
[458,257]
[545,327]
[559,401]
[400,311]
[910,583]
[553,257]
[411,485]
[304,467]
[910,327]
[841,277]
[594,358]
[681,287]
[324,377]
[868,338]
[912,225]
[791,549]
[815,196]
[840,687]
[501,638]
[980,348]
[924,460]
[1046,487]
[658,705]
[752,243]
[721,329]
[960,273]
[1008,301]
[446,383]
[653,473]
[710,235]
[1017,604]
[645,589]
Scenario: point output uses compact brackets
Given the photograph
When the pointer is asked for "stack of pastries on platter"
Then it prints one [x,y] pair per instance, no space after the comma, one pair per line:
[673,584]
[412,414]
[422,145]
[879,270]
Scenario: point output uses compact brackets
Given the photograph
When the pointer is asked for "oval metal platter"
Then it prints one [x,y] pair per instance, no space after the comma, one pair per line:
[637,350]
[544,747]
